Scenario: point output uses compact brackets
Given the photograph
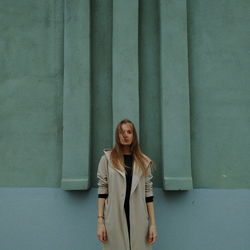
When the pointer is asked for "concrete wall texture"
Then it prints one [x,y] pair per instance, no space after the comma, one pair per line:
[71,69]
[50,218]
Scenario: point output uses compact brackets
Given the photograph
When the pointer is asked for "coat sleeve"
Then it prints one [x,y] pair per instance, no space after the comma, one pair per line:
[102,175]
[149,183]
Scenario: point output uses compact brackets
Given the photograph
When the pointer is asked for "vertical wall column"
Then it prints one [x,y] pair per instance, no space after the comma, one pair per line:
[125,62]
[176,155]
[76,98]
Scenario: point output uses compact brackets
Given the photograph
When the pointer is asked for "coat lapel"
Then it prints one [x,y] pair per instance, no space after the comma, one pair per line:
[107,153]
[122,173]
[135,178]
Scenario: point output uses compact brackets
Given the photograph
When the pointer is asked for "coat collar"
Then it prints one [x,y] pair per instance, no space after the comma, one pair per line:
[136,174]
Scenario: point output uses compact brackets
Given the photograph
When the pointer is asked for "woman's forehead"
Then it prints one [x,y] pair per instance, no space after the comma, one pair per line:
[126,126]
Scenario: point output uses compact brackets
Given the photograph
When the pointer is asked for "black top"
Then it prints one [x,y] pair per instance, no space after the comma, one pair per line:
[128,160]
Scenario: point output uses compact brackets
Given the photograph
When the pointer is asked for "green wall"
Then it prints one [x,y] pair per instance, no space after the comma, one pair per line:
[219,45]
[31,75]
[70,70]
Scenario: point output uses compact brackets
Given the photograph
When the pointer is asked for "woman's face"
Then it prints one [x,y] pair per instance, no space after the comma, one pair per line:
[126,134]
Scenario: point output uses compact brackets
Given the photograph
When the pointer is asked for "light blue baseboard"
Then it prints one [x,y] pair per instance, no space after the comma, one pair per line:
[54,219]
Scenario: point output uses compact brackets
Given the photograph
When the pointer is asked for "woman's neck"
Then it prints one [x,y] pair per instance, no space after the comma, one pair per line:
[126,150]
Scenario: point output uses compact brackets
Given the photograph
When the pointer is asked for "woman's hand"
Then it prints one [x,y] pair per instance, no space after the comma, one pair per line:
[101,231]
[152,234]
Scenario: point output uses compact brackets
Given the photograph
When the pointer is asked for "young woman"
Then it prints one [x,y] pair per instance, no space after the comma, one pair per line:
[126,218]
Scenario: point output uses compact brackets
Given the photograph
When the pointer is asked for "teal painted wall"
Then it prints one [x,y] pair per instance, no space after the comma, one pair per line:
[45,123]
[219,45]
[40,57]
[31,75]
[101,75]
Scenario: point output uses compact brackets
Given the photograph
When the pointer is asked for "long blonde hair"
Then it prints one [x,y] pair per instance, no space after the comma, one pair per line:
[116,155]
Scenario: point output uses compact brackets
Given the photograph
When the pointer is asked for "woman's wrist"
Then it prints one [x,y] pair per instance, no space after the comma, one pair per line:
[100,219]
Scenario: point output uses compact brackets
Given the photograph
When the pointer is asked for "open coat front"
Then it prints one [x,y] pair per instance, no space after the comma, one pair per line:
[112,181]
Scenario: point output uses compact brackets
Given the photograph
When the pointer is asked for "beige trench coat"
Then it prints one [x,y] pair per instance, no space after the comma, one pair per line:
[112,181]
